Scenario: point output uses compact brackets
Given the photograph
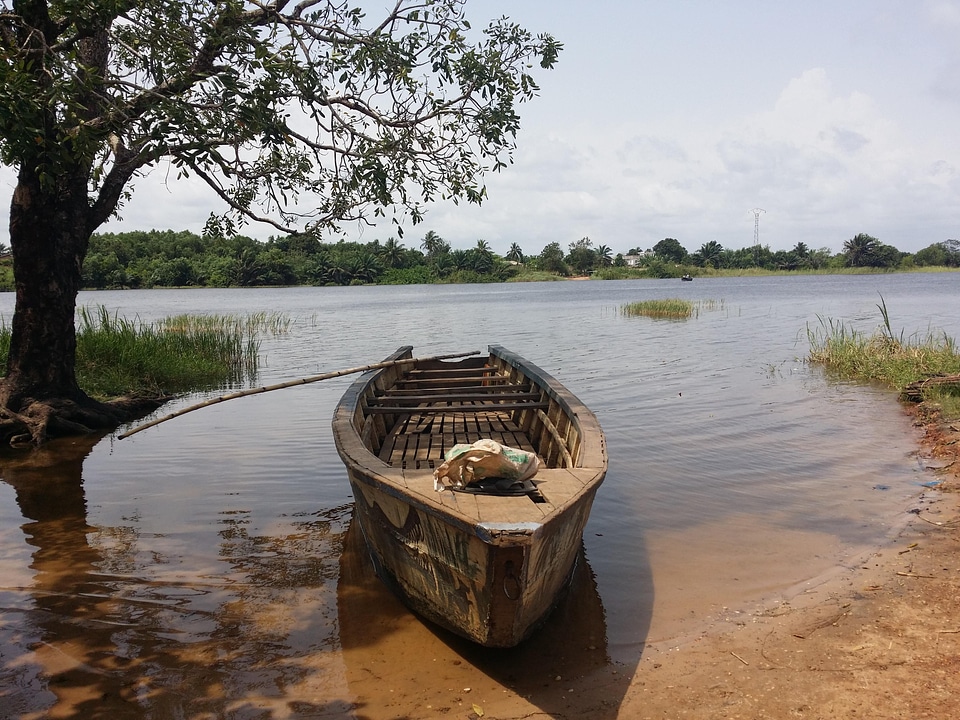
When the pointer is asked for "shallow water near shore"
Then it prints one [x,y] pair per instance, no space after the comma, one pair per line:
[208,568]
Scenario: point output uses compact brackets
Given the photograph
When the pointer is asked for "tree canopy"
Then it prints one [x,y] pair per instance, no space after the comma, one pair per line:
[264,101]
[300,115]
[670,249]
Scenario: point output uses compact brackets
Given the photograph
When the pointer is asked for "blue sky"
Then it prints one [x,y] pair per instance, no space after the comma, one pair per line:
[676,118]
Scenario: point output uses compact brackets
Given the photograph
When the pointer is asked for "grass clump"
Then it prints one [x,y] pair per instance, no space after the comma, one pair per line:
[889,358]
[116,356]
[672,308]
[897,362]
[669,308]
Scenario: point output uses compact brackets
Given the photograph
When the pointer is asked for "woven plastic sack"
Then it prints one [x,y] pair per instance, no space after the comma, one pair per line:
[483,460]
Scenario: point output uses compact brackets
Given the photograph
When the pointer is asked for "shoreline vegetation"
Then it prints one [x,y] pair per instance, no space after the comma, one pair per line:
[924,369]
[169,259]
[179,354]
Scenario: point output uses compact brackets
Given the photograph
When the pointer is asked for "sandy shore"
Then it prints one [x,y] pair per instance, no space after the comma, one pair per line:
[881,640]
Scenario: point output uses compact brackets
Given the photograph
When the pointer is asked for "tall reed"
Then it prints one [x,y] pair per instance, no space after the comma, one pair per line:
[117,356]
[884,356]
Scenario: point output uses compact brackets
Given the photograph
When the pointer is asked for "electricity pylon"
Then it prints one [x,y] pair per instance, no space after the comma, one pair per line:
[756,234]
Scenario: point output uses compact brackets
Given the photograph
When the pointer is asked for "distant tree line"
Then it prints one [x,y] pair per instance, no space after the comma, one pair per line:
[860,251]
[145,259]
[176,259]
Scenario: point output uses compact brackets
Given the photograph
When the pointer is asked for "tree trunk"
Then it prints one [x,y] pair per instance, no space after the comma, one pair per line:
[49,237]
[50,230]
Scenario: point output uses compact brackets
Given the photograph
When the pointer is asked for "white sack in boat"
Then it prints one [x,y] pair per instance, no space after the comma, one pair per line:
[484,459]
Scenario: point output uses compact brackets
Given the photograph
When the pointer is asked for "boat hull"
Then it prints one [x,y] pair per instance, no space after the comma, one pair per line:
[486,568]
[491,584]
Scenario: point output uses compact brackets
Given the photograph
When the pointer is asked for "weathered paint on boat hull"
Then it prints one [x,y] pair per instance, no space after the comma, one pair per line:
[492,585]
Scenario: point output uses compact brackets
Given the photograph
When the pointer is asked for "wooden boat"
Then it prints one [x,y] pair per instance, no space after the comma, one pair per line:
[487,567]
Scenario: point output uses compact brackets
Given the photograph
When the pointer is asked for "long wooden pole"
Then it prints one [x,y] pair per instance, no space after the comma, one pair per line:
[290,383]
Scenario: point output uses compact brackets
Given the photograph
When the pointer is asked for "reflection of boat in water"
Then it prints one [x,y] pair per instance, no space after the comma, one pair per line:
[396,664]
[488,567]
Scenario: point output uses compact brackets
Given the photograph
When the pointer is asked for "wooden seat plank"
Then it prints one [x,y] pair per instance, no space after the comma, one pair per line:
[472,382]
[560,486]
[402,400]
[475,408]
[479,390]
[479,370]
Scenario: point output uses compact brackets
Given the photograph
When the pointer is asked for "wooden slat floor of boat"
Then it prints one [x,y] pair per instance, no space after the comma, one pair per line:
[419,441]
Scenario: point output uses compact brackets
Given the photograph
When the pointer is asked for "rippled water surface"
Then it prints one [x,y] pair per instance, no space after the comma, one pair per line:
[207,568]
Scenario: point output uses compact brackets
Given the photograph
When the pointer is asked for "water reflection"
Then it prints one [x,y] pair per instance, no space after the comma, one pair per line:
[400,666]
[94,635]
[68,657]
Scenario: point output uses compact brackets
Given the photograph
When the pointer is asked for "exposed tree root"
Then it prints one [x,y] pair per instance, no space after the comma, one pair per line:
[41,420]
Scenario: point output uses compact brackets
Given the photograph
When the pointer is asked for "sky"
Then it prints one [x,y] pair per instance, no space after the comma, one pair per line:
[701,120]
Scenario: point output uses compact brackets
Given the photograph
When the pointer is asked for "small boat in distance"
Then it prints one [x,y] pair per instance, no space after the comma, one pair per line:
[486,565]
[686,278]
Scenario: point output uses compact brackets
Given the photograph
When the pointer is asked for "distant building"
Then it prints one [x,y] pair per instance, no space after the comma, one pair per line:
[635,260]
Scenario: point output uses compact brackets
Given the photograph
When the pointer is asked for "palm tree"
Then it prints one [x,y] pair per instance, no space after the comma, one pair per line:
[604,256]
[861,250]
[710,253]
[337,271]
[363,267]
[515,254]
[392,253]
[460,259]
[482,257]
[433,244]
[443,264]
[480,262]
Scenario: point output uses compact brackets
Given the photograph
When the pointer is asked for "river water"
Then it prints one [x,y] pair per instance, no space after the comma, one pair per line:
[206,567]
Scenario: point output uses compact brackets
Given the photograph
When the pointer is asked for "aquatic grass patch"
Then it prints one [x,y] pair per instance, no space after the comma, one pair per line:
[884,356]
[670,308]
[895,361]
[673,308]
[118,356]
